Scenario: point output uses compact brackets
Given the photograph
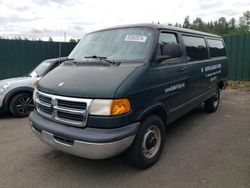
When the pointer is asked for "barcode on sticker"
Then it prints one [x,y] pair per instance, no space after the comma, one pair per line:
[136,38]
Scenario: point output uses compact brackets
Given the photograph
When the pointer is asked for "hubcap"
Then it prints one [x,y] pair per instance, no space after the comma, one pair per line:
[216,101]
[151,141]
[25,105]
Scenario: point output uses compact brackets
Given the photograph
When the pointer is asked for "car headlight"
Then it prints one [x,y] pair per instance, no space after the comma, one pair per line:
[35,83]
[4,87]
[34,95]
[106,107]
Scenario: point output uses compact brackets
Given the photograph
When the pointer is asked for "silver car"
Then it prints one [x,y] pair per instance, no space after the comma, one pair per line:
[16,93]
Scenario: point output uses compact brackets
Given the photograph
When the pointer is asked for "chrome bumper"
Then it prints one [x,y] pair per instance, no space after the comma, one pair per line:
[85,149]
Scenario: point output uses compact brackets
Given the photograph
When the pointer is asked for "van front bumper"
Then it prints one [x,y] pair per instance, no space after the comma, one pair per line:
[92,143]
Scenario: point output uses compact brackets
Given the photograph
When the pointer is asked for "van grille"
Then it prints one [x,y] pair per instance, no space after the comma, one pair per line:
[72,104]
[67,110]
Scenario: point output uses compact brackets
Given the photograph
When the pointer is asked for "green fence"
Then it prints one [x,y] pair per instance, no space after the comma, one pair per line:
[238,51]
[18,57]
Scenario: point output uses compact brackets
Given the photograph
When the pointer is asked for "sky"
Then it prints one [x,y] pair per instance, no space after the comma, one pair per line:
[42,19]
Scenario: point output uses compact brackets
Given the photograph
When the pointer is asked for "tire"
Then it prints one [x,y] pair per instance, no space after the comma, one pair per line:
[21,105]
[148,144]
[211,105]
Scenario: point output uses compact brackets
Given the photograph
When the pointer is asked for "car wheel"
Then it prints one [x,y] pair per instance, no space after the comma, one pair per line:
[21,105]
[148,144]
[212,103]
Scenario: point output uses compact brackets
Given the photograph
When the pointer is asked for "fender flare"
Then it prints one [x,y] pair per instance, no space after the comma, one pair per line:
[15,91]
[153,108]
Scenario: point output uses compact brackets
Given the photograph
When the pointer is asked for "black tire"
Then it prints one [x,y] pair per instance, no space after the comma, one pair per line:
[145,142]
[211,105]
[21,105]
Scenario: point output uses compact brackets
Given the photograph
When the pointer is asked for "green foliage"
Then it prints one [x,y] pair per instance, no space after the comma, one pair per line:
[220,26]
[72,40]
[50,39]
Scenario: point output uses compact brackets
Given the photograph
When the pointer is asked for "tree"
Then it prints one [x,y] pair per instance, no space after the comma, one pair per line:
[231,24]
[221,26]
[177,25]
[50,39]
[186,23]
[72,40]
[244,21]
[198,24]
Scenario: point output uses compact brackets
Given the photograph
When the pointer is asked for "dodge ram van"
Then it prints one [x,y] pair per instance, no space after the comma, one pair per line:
[122,86]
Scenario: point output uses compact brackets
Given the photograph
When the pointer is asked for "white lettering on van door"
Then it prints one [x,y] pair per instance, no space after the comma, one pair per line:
[213,78]
[212,67]
[216,69]
[213,73]
[175,87]
[136,38]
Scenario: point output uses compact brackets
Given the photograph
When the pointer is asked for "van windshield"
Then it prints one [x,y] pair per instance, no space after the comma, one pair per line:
[116,44]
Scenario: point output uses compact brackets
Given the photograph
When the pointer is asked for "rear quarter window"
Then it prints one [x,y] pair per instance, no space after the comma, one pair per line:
[195,47]
[216,48]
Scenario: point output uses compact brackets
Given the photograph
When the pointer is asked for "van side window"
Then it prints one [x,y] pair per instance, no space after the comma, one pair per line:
[166,38]
[196,48]
[216,48]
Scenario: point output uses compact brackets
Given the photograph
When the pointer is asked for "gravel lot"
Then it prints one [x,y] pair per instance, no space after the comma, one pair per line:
[201,150]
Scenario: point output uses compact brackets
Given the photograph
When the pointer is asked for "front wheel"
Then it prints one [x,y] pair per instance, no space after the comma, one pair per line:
[21,105]
[148,144]
[211,105]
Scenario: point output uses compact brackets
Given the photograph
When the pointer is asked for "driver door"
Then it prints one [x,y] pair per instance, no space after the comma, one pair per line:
[169,77]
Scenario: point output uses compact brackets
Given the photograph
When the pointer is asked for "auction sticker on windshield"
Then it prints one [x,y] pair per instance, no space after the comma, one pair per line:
[136,38]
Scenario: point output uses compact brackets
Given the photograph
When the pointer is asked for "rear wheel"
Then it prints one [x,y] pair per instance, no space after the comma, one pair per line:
[211,105]
[21,105]
[148,144]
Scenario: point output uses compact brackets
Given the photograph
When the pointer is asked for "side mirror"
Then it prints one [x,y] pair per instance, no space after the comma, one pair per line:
[169,51]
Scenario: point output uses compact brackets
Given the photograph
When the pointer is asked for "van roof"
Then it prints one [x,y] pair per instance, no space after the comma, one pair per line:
[164,26]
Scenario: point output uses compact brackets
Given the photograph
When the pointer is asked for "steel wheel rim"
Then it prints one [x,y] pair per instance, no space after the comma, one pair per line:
[154,131]
[216,101]
[24,105]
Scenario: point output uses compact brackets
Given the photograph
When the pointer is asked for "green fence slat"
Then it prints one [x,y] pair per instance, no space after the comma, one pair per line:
[246,58]
[238,52]
[239,61]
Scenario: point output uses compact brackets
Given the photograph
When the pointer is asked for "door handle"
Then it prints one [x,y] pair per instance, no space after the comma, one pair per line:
[182,69]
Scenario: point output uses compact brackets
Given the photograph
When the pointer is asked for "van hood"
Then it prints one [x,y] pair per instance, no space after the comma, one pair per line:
[86,81]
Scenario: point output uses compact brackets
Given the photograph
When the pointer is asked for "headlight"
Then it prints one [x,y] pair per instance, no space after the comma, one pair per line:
[35,83]
[4,87]
[104,107]
[34,95]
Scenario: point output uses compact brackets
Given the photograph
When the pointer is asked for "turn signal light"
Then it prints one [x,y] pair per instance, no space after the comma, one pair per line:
[120,107]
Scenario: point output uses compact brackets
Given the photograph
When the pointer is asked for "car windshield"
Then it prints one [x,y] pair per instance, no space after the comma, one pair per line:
[41,69]
[116,44]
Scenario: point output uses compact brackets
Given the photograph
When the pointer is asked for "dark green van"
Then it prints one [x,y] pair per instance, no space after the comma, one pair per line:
[121,86]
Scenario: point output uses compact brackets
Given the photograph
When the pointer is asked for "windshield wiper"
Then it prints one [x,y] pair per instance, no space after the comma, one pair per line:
[102,59]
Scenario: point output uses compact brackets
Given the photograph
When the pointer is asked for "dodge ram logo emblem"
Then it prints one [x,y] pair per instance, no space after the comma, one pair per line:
[60,84]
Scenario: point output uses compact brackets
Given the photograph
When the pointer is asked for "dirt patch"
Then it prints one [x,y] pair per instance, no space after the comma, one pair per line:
[241,85]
